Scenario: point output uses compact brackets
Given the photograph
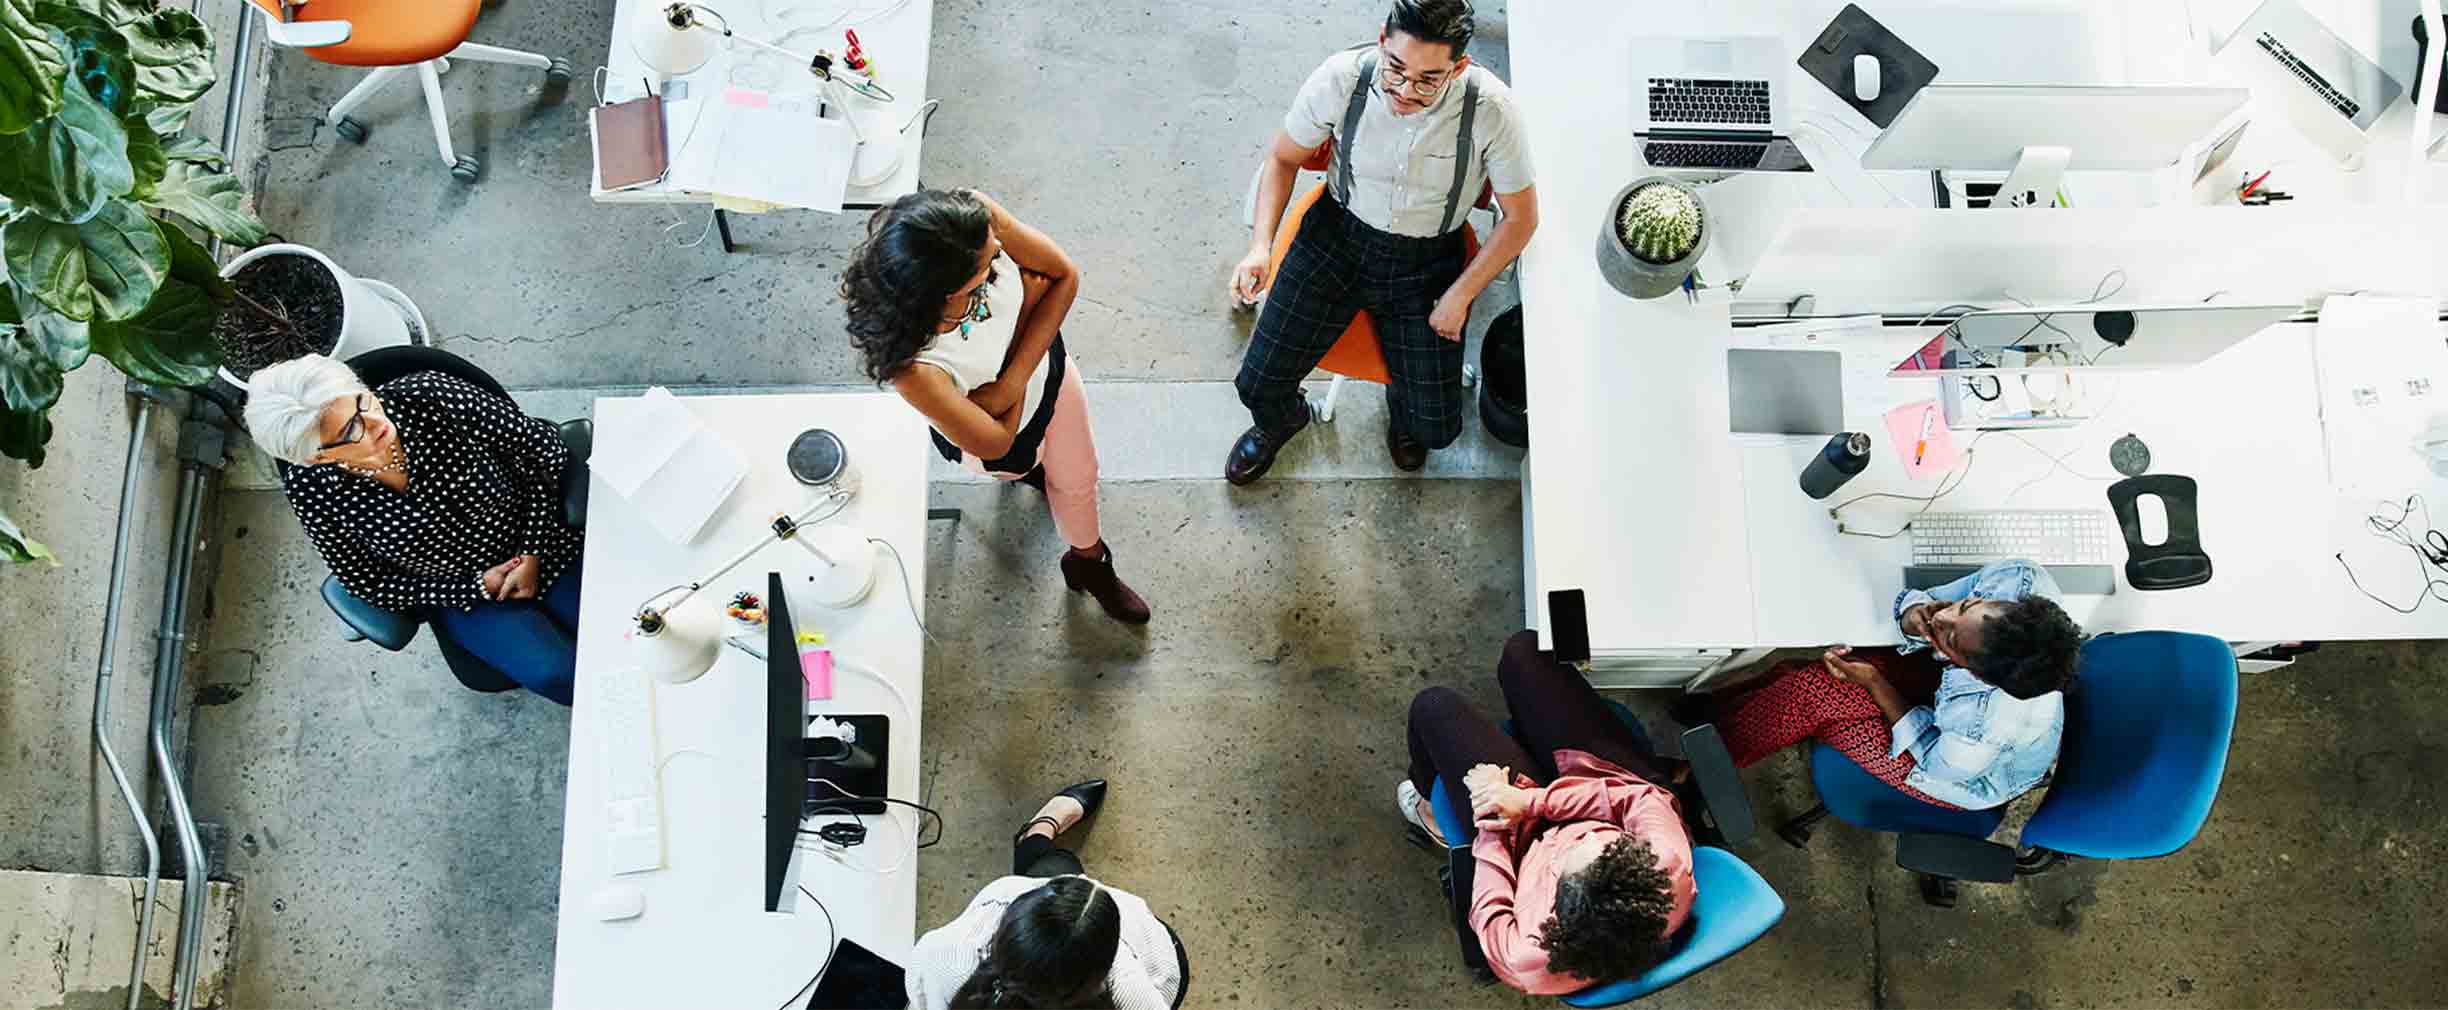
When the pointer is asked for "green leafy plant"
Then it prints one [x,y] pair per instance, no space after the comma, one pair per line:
[1660,223]
[94,97]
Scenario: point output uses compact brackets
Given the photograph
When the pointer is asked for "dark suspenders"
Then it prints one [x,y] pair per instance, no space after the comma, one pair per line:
[1340,183]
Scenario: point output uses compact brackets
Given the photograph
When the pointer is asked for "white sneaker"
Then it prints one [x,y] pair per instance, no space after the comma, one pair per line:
[1407,800]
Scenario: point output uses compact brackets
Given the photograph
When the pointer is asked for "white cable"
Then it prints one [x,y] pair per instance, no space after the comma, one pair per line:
[908,595]
[908,711]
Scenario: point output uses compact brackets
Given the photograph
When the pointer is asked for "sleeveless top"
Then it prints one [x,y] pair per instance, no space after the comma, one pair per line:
[976,357]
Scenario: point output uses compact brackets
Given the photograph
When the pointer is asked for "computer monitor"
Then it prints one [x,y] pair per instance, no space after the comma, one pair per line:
[2056,339]
[2035,133]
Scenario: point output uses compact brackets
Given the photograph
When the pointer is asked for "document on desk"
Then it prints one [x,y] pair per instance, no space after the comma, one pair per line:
[670,465]
[771,148]
[2382,371]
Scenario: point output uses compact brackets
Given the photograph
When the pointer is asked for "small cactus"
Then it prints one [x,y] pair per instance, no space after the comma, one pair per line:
[1660,223]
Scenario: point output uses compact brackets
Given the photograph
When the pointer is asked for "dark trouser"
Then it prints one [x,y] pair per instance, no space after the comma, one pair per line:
[1336,267]
[1038,856]
[1553,708]
[534,642]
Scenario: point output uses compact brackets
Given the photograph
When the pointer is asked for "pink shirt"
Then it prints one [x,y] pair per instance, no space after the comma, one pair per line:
[1511,898]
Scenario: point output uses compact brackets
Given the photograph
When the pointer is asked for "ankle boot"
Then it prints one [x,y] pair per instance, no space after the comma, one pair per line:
[1095,576]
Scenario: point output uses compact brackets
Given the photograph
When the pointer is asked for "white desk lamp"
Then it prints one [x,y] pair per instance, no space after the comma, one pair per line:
[677,639]
[675,39]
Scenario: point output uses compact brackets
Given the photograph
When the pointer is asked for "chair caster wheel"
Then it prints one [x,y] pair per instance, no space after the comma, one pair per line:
[558,73]
[2036,860]
[1938,892]
[1796,835]
[465,169]
[350,130]
[1470,376]
[1319,411]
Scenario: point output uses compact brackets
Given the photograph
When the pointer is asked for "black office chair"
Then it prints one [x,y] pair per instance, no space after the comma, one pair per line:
[392,629]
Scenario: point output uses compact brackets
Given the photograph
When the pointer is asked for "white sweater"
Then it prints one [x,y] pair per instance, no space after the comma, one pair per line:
[1146,970]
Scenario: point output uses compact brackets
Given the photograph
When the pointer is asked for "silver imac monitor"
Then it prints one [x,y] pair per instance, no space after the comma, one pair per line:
[2036,133]
[2028,368]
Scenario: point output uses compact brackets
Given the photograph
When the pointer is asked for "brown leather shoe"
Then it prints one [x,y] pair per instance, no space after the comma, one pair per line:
[1255,453]
[1095,576]
[1407,452]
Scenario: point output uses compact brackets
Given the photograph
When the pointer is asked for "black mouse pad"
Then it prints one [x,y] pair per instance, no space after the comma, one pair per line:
[1902,69]
[859,979]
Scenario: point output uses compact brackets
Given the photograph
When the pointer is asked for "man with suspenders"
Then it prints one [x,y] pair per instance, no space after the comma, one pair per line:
[1418,132]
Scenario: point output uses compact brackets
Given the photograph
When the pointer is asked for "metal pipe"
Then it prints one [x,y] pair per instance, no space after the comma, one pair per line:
[166,661]
[237,101]
[102,695]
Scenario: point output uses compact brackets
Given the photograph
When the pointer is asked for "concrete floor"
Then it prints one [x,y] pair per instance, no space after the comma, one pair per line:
[397,836]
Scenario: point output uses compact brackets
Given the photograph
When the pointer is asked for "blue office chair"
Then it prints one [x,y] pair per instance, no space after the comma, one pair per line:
[1731,907]
[2145,745]
[393,630]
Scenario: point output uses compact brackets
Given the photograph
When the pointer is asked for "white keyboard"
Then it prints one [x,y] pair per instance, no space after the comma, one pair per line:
[633,810]
[2046,536]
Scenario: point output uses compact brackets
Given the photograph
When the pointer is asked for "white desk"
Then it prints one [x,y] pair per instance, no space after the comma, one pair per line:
[705,939]
[1691,547]
[894,34]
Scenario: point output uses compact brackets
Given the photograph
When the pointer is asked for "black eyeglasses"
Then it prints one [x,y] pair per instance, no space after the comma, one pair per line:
[1418,86]
[354,430]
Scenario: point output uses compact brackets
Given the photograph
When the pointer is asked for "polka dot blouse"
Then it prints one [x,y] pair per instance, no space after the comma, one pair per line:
[484,486]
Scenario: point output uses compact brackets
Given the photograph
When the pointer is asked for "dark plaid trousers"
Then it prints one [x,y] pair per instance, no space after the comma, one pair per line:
[1336,267]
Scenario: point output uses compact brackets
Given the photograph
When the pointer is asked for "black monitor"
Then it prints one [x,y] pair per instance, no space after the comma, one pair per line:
[785,775]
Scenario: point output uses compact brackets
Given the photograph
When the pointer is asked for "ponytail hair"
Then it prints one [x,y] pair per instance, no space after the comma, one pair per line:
[1053,951]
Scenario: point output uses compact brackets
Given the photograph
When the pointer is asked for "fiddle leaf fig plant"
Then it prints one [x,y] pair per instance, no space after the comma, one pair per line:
[99,187]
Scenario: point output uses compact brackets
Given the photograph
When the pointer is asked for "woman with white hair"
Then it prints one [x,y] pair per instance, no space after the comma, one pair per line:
[432,495]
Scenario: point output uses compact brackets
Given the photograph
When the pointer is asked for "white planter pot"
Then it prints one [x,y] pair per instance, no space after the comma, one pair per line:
[1624,269]
[367,319]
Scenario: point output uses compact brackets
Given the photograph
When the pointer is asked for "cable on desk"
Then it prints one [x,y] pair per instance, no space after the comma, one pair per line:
[907,595]
[832,946]
[920,807]
[1958,476]
[2430,551]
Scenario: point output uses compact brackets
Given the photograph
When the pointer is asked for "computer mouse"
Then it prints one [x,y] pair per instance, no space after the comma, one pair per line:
[1865,77]
[614,902]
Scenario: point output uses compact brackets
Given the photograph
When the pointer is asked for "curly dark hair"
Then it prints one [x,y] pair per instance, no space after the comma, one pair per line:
[2030,649]
[1610,916]
[919,250]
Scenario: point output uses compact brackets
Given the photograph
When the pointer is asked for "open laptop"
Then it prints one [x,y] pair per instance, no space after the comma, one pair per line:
[2330,92]
[1713,104]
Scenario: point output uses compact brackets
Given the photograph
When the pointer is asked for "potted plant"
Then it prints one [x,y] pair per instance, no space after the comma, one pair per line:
[288,300]
[1654,233]
[94,98]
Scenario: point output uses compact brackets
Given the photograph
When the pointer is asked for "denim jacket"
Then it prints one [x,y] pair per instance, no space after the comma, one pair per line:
[1976,746]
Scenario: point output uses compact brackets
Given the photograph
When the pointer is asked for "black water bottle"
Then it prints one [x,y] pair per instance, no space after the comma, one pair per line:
[1847,453]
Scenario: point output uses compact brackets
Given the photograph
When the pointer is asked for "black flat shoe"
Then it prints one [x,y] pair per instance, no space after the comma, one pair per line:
[1408,454]
[1090,795]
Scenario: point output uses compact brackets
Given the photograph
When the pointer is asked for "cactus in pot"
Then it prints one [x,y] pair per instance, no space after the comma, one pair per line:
[1654,232]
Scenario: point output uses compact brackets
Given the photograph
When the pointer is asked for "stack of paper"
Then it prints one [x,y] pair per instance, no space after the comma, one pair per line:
[760,147]
[672,467]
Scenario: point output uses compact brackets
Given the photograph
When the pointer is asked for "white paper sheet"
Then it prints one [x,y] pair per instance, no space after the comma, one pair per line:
[2383,374]
[670,465]
[762,147]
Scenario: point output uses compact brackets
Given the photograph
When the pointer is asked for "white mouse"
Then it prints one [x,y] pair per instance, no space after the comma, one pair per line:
[614,902]
[1865,77]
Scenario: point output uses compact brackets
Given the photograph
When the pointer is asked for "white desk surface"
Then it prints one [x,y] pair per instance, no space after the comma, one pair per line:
[705,939]
[1682,538]
[896,42]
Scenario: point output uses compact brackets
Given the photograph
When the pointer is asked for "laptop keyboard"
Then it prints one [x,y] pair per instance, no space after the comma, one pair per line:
[1703,154]
[1702,100]
[2345,106]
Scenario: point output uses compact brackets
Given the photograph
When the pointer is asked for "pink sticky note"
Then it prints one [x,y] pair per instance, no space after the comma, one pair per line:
[816,667]
[747,98]
[1922,441]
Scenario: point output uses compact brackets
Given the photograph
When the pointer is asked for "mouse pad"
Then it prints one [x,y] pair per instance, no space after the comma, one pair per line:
[1775,392]
[1902,69]
[859,979]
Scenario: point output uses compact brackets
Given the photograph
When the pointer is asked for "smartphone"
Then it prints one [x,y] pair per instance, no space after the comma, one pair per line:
[1568,625]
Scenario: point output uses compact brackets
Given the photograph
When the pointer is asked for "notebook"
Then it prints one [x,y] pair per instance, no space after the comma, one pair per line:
[629,143]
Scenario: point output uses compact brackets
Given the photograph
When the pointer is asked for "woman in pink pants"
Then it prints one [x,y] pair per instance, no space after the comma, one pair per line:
[958,306]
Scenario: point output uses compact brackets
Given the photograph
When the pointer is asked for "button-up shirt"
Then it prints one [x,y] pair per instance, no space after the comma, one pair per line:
[1403,166]
[1976,746]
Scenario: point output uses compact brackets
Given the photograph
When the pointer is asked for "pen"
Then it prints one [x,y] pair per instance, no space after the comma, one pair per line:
[2253,185]
[1921,447]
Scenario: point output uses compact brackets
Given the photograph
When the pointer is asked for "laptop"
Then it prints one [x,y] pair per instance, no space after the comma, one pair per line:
[2330,92]
[1713,104]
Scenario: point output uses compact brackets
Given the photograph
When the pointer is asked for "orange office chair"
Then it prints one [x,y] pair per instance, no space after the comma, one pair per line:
[1356,354]
[395,37]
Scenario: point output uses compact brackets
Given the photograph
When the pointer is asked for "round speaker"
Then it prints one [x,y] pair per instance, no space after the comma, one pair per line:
[2129,456]
[2115,326]
[818,458]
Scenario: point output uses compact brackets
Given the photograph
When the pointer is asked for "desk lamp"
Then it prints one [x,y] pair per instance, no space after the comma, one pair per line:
[677,636]
[675,39]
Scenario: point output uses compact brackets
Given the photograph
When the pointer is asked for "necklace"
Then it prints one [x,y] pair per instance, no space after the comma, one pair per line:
[398,460]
